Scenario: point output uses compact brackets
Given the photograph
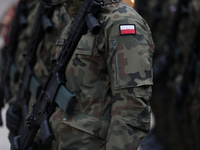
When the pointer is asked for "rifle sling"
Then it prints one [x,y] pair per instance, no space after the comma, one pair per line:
[107,2]
[13,72]
[34,86]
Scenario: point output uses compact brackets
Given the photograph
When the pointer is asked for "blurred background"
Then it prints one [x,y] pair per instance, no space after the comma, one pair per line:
[4,143]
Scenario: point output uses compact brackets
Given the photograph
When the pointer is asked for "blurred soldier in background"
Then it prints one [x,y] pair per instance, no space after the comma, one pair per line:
[43,52]
[175,130]
[4,33]
[5,24]
[23,38]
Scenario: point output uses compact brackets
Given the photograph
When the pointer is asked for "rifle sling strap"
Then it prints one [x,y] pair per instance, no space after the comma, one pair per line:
[34,86]
[107,2]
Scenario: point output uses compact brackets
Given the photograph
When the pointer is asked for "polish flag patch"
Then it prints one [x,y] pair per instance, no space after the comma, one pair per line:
[127,29]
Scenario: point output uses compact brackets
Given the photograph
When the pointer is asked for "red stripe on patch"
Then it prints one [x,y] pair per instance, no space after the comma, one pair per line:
[128,31]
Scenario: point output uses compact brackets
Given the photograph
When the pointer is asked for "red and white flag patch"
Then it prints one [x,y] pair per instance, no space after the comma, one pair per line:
[127,29]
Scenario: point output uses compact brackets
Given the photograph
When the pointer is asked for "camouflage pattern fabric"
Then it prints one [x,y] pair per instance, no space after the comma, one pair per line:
[111,76]
[46,49]
[23,41]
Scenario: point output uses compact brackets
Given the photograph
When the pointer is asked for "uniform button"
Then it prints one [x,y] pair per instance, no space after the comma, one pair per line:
[64,119]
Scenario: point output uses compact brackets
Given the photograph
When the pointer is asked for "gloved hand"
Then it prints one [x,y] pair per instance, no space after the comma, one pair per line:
[13,117]
[15,145]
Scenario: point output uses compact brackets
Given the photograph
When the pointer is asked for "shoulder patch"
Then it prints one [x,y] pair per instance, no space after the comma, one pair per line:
[60,42]
[127,29]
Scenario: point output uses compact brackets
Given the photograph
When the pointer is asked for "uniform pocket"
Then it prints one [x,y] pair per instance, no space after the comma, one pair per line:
[88,123]
[131,62]
[85,45]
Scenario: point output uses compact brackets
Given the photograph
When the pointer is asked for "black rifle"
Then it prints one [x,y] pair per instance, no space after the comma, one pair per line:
[55,85]
[28,84]
[162,67]
[185,87]
[9,71]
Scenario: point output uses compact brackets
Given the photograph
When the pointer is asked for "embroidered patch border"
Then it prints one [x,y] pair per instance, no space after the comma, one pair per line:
[60,42]
[127,29]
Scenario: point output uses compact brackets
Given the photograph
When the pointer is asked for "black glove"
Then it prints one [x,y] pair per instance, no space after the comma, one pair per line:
[13,117]
[15,145]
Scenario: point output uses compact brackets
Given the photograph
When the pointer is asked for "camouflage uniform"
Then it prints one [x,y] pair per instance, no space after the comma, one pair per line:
[23,40]
[111,76]
[46,49]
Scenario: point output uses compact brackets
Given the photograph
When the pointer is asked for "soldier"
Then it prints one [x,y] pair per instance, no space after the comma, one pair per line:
[45,51]
[111,76]
[178,131]
[13,116]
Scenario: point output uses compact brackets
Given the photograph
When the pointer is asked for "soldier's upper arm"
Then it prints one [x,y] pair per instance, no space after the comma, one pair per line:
[130,54]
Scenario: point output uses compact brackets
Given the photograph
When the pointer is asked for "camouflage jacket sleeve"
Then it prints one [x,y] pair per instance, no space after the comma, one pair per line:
[129,63]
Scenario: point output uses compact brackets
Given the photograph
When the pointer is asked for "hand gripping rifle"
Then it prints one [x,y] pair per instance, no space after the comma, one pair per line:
[28,84]
[55,86]
[185,86]
[9,71]
[165,61]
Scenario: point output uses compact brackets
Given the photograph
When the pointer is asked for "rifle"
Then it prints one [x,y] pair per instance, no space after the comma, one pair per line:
[55,85]
[162,67]
[185,86]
